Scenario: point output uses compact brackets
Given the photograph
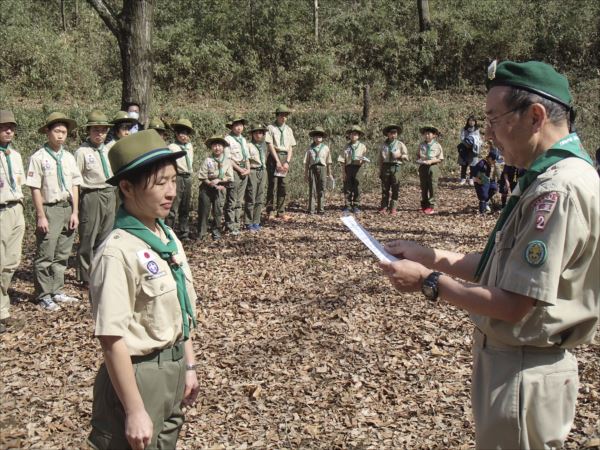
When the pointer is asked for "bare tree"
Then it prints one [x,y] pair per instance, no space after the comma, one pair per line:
[424,18]
[132,27]
[316,19]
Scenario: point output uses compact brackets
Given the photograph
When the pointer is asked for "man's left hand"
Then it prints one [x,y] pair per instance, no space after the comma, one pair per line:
[405,275]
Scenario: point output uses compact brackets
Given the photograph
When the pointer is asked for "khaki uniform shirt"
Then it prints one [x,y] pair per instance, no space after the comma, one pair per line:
[42,174]
[256,149]
[310,157]
[209,170]
[350,157]
[182,163]
[436,151]
[548,250]
[234,151]
[7,194]
[90,166]
[394,155]
[109,145]
[134,294]
[274,136]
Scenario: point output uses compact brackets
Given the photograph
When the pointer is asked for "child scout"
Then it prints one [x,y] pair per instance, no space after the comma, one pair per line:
[353,158]
[391,156]
[255,190]
[216,172]
[97,197]
[180,211]
[486,185]
[281,142]
[317,169]
[237,152]
[54,180]
[429,156]
[12,221]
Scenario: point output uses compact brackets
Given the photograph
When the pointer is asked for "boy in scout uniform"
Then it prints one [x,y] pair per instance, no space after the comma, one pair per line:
[54,180]
[281,142]
[215,173]
[255,190]
[12,222]
[185,167]
[97,199]
[353,158]
[391,155]
[317,168]
[429,156]
[533,293]
[238,153]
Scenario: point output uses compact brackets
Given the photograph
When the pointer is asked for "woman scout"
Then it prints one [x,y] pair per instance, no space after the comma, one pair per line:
[54,180]
[429,156]
[97,197]
[216,172]
[238,153]
[183,201]
[122,124]
[255,189]
[353,158]
[12,221]
[317,168]
[391,155]
[533,293]
[281,142]
[144,316]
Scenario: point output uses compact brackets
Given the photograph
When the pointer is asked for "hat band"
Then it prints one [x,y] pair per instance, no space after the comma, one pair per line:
[143,158]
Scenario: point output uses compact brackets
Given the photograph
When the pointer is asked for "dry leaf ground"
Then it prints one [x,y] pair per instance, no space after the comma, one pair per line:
[302,343]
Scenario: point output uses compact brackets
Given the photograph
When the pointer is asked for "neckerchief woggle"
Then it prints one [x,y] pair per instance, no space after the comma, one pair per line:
[567,147]
[127,222]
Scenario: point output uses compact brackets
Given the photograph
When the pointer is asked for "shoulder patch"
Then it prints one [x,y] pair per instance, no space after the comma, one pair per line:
[544,207]
[536,253]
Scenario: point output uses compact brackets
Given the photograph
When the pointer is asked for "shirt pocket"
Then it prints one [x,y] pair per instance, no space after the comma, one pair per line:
[160,314]
[502,252]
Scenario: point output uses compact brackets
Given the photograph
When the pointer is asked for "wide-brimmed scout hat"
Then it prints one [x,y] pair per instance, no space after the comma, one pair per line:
[58,117]
[7,116]
[183,123]
[96,118]
[389,128]
[122,117]
[156,124]
[216,138]
[258,127]
[282,109]
[235,119]
[318,131]
[533,76]
[431,128]
[355,128]
[136,151]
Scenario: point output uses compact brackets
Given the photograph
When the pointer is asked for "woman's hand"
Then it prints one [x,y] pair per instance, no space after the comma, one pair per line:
[138,429]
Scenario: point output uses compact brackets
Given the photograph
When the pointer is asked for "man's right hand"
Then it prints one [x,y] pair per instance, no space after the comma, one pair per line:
[42,225]
[138,429]
[405,249]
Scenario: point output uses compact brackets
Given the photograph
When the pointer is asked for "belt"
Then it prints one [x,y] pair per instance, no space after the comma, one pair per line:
[174,353]
[63,203]
[487,341]
[7,205]
[391,164]
[87,190]
[184,175]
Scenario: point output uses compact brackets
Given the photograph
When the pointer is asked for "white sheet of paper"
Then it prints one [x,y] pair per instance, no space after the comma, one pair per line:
[366,238]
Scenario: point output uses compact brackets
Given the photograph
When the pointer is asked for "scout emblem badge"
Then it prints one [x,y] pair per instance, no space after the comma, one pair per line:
[536,253]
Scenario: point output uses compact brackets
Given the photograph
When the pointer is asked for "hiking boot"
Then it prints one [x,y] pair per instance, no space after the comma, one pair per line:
[64,298]
[47,304]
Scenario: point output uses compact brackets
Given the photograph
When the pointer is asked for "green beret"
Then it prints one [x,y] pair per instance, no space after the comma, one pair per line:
[533,76]
[136,151]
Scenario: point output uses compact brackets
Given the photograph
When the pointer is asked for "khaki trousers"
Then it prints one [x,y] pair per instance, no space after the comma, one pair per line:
[96,220]
[12,229]
[317,182]
[254,197]
[53,250]
[209,199]
[390,183]
[428,178]
[182,205]
[234,201]
[522,397]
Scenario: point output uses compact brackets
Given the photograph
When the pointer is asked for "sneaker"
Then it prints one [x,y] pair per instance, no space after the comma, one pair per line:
[471,182]
[463,181]
[48,304]
[64,298]
[429,211]
[382,211]
[393,212]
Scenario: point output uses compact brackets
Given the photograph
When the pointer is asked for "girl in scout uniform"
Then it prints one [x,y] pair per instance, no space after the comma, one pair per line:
[317,168]
[255,188]
[54,180]
[391,155]
[122,124]
[237,153]
[468,149]
[97,199]
[159,126]
[183,201]
[353,158]
[215,173]
[429,156]
[12,222]
[143,304]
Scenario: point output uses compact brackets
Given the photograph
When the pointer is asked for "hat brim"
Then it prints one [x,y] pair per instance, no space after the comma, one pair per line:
[97,124]
[317,133]
[389,128]
[426,129]
[254,130]
[211,141]
[70,123]
[362,133]
[233,122]
[282,112]
[143,161]
[123,120]
[175,126]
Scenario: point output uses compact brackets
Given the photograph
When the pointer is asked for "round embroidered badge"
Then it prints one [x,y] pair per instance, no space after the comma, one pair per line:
[536,253]
[152,267]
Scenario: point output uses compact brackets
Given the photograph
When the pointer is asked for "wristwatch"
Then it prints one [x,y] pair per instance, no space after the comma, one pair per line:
[430,287]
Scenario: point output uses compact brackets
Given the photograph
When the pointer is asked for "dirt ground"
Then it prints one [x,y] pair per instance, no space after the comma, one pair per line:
[302,343]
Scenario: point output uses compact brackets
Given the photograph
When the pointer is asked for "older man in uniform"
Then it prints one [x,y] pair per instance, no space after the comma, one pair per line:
[537,291]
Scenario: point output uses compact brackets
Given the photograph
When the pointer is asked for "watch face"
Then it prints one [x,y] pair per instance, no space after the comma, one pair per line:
[428,291]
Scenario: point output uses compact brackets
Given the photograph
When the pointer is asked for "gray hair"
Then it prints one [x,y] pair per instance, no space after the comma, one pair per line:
[521,99]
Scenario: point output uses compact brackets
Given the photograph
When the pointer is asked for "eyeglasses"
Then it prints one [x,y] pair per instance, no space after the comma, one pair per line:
[491,122]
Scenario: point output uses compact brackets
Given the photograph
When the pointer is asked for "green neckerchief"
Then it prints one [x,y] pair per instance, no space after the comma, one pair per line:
[260,146]
[59,170]
[240,140]
[127,222]
[317,150]
[390,147]
[100,150]
[220,165]
[282,136]
[11,178]
[568,147]
[188,163]
[353,149]
[428,153]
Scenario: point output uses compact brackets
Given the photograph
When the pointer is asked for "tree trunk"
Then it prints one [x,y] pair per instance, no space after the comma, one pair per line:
[62,15]
[316,17]
[424,17]
[366,104]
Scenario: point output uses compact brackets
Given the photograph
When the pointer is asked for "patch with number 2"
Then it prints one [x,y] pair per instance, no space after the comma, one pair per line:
[544,207]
